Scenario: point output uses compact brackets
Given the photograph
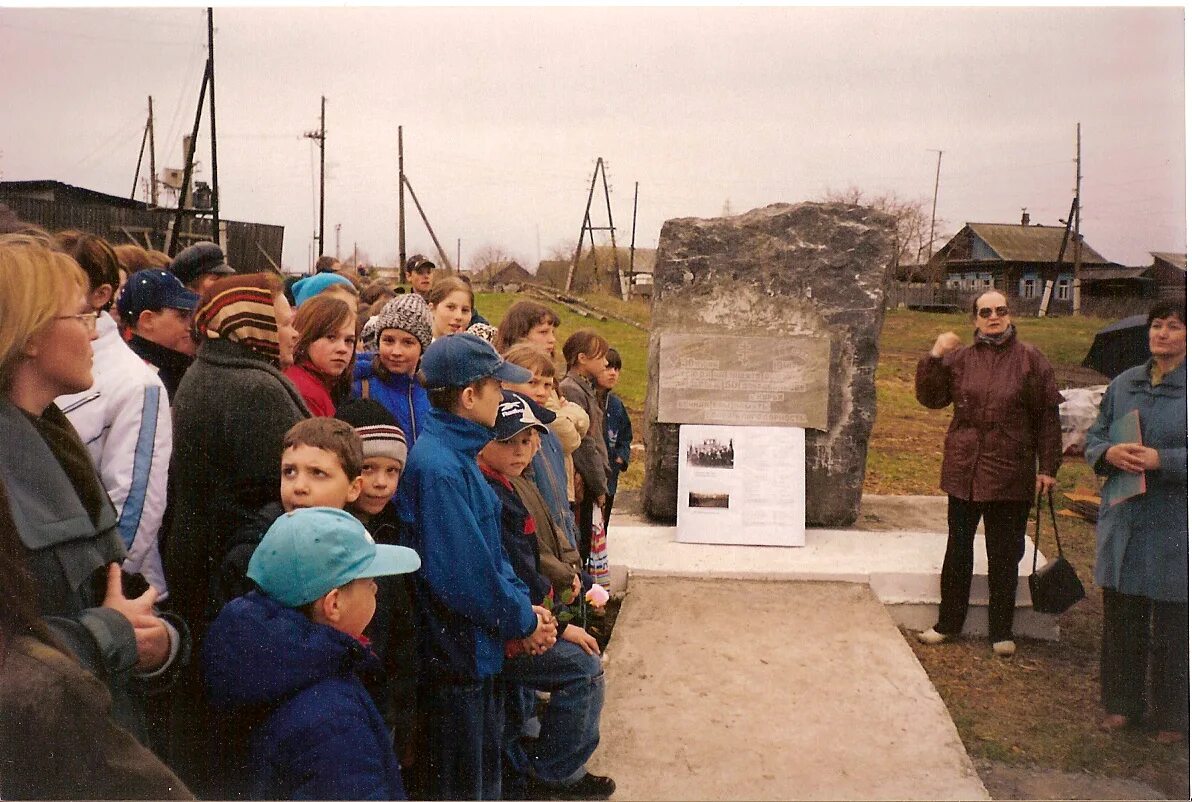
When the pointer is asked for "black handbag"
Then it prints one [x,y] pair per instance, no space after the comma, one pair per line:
[1055,587]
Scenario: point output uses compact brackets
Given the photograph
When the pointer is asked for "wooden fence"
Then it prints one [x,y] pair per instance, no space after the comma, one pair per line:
[252,247]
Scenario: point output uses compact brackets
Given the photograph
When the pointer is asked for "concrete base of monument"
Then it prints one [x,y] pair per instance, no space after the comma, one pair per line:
[901,567]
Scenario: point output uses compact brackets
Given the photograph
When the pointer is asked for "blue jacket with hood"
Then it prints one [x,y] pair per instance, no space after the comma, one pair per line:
[402,395]
[467,599]
[300,722]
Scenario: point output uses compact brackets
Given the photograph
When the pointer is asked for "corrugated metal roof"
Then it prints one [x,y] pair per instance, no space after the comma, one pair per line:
[1019,243]
[1179,260]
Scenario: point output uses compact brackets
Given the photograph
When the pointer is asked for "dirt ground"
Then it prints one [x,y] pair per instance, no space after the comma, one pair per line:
[997,704]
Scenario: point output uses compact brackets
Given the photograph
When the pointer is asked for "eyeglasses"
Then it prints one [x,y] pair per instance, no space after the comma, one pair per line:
[88,319]
[988,312]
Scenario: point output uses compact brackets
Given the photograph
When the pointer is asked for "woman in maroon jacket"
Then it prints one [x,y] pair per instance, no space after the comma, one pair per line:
[1002,447]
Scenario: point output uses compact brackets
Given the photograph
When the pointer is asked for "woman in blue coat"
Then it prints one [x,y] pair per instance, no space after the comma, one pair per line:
[1142,542]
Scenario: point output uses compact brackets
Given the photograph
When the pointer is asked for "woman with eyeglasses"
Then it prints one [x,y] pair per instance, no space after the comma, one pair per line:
[1002,448]
[65,520]
[1142,540]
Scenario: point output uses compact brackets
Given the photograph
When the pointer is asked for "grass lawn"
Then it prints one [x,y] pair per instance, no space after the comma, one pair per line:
[1039,708]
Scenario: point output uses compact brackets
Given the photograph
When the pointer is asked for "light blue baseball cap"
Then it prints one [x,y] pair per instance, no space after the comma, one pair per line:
[310,551]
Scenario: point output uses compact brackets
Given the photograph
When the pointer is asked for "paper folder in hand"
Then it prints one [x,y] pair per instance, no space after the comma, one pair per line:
[1122,485]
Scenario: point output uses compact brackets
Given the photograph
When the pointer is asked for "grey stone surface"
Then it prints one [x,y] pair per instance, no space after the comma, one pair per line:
[768,381]
[744,690]
[808,269]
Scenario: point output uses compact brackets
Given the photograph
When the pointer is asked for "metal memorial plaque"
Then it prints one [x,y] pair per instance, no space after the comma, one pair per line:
[743,381]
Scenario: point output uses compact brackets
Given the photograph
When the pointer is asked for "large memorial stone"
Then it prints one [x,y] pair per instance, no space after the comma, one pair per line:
[799,270]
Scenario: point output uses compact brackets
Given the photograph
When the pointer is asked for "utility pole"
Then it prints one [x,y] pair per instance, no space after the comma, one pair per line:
[401,206]
[136,176]
[1076,231]
[587,227]
[612,233]
[633,236]
[338,226]
[934,197]
[431,231]
[152,158]
[188,172]
[214,162]
[321,136]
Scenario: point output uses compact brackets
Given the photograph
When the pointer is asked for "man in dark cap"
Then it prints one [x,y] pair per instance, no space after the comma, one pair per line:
[160,311]
[199,265]
[418,271]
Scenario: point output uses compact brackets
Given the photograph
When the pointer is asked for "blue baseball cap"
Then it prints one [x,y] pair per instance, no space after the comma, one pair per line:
[457,360]
[309,287]
[310,551]
[518,413]
[154,290]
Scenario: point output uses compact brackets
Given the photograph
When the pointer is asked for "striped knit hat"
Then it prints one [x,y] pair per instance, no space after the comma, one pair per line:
[243,315]
[378,429]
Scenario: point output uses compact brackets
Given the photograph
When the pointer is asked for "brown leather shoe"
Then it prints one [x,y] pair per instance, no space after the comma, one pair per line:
[1113,722]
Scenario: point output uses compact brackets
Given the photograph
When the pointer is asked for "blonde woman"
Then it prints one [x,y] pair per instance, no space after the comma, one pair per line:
[65,521]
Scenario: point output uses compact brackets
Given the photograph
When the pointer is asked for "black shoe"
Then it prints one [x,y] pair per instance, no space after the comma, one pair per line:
[590,786]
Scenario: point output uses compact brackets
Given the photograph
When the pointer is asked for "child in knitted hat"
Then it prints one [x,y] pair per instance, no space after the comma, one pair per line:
[399,335]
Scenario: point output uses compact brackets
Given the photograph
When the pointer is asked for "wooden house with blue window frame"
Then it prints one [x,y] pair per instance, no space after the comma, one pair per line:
[1015,260]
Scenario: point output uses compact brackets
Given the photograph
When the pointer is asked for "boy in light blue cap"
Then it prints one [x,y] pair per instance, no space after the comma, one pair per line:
[283,663]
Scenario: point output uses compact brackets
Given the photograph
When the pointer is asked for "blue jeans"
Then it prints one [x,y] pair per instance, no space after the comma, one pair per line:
[571,724]
[461,755]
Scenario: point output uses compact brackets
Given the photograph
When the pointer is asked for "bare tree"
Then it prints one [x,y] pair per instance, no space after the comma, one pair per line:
[486,255]
[912,219]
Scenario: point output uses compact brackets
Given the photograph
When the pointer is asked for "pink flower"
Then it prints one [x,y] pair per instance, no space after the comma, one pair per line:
[598,596]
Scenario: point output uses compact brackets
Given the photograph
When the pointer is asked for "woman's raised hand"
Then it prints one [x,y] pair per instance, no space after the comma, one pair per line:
[945,344]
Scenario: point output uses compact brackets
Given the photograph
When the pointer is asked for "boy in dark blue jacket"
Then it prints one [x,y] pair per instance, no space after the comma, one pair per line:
[555,767]
[288,658]
[467,599]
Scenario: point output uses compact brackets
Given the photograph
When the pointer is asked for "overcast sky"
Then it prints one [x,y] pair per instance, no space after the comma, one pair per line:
[505,111]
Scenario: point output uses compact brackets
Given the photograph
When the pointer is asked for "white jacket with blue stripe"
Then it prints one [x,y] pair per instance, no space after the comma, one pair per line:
[124,420]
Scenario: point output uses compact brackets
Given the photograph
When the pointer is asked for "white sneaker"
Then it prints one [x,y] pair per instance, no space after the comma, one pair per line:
[1004,648]
[932,638]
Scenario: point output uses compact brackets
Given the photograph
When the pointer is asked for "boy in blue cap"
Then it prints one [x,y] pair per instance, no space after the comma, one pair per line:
[468,601]
[286,661]
[159,311]
[555,766]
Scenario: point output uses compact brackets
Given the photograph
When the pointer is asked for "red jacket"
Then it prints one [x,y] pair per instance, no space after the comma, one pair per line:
[1006,421]
[312,389]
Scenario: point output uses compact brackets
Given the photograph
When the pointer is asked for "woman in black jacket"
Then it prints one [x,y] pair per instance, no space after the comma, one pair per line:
[231,412]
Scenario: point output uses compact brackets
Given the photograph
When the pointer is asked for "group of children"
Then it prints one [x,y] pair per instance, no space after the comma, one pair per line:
[411,619]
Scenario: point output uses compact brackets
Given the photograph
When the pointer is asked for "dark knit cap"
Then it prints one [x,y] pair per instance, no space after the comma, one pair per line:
[378,429]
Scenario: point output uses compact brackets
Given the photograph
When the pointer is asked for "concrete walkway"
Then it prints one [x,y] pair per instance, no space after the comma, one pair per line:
[735,689]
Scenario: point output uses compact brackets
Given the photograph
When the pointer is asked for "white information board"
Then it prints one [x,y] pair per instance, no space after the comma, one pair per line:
[742,485]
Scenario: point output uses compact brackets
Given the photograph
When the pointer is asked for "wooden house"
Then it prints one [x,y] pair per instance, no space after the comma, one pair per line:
[1014,259]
